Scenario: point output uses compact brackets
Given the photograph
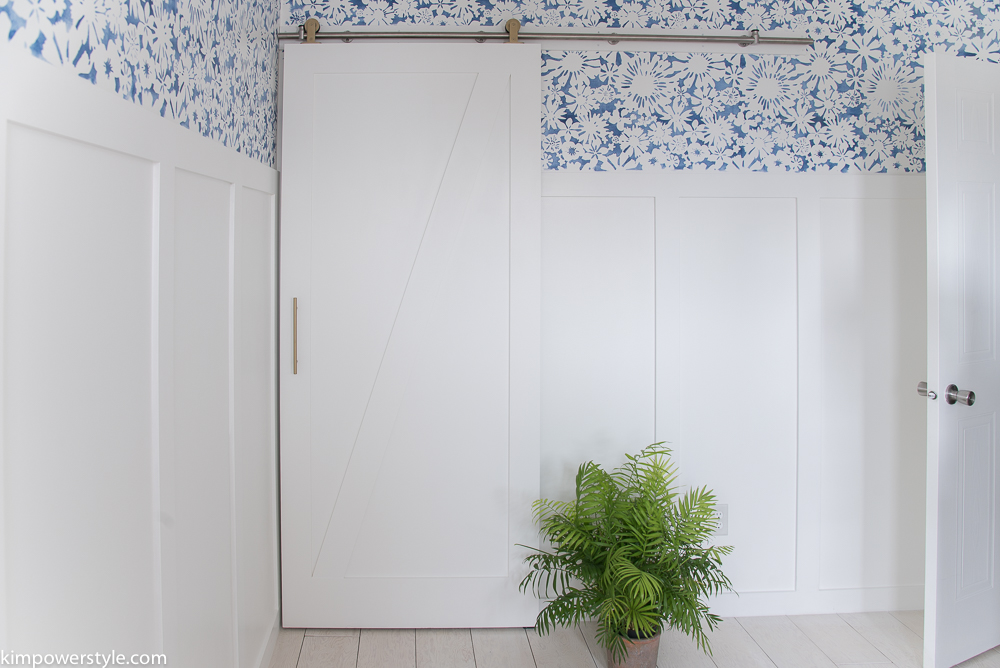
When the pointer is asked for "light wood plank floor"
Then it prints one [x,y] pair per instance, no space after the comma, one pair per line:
[866,640]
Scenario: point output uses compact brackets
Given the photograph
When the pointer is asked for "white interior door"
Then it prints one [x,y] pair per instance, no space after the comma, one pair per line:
[962,598]
[410,244]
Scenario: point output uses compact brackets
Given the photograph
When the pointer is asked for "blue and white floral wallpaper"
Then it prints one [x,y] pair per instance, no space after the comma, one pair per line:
[853,103]
[211,65]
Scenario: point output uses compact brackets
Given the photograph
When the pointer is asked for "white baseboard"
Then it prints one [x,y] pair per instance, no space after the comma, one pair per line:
[272,642]
[820,602]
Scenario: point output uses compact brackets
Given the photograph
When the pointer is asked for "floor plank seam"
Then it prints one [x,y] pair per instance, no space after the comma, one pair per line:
[302,643]
[816,644]
[710,656]
[530,648]
[583,637]
[821,650]
[888,659]
[750,635]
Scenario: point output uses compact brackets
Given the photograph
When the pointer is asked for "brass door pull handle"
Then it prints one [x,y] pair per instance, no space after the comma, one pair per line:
[295,335]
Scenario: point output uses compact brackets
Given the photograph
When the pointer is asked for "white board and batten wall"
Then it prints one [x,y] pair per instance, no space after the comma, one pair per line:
[771,328]
[138,381]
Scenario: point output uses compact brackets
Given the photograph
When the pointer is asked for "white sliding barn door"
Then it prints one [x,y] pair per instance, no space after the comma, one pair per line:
[410,243]
[963,170]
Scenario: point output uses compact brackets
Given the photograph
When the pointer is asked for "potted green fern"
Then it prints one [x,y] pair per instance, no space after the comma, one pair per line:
[631,551]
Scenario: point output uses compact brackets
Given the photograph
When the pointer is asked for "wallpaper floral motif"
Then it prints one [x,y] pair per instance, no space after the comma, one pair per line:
[211,65]
[852,103]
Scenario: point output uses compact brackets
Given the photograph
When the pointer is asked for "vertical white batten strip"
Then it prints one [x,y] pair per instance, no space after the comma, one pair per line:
[4,640]
[798,390]
[166,438]
[810,414]
[274,362]
[154,400]
[234,544]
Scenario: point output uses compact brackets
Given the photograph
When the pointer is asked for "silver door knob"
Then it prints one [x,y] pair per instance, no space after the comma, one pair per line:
[924,392]
[953,395]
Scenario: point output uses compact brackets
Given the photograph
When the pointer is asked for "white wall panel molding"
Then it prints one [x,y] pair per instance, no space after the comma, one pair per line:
[815,550]
[873,258]
[728,298]
[66,381]
[138,328]
[598,333]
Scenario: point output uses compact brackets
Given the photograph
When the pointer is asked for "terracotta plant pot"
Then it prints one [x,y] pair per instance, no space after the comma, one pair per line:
[641,653]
